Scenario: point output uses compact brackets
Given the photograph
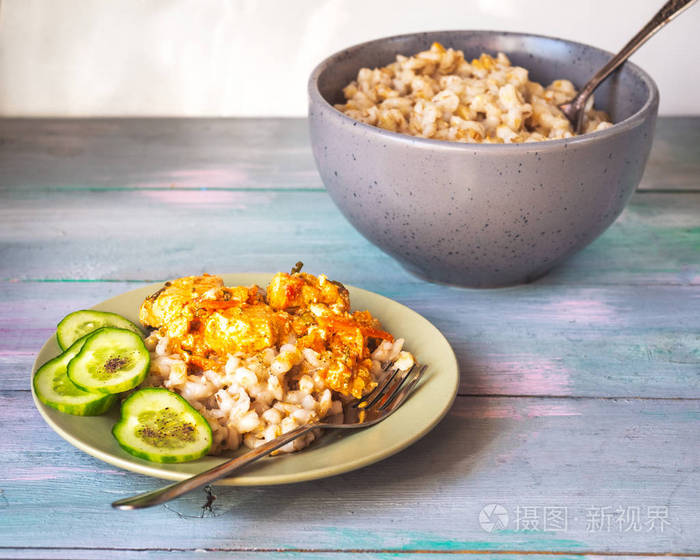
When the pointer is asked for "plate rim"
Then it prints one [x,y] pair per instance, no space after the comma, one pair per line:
[249,479]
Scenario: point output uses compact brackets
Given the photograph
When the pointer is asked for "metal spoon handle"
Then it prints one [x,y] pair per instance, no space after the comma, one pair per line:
[667,12]
[172,491]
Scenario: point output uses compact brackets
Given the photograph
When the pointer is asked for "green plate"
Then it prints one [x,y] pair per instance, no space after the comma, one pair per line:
[338,451]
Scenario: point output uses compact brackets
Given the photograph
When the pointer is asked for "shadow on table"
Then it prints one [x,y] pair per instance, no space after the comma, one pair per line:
[447,453]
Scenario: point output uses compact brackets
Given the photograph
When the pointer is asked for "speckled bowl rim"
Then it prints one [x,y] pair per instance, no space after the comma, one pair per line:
[545,145]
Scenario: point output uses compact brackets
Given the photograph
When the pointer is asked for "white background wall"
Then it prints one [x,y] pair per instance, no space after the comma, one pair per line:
[252,57]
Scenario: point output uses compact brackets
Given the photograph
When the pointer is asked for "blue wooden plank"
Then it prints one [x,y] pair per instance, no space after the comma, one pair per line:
[229,154]
[674,161]
[217,554]
[618,320]
[156,154]
[580,454]
[152,235]
[605,341]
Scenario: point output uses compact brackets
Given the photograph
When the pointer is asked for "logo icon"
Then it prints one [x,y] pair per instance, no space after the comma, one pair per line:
[493,517]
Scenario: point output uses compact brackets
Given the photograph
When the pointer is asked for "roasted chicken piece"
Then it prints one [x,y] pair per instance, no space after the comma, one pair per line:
[300,290]
[347,339]
[174,298]
[205,318]
[206,321]
[244,328]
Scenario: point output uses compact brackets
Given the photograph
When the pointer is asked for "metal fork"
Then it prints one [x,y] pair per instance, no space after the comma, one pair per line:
[575,109]
[389,394]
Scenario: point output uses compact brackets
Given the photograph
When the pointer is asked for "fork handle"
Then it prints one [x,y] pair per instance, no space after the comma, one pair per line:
[172,491]
[668,11]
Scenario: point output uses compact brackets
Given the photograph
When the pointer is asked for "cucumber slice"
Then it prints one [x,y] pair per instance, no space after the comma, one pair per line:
[79,323]
[111,361]
[54,389]
[161,426]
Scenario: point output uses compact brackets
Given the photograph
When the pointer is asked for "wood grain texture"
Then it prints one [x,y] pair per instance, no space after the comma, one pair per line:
[534,340]
[156,154]
[580,390]
[517,452]
[229,154]
[154,235]
[674,161]
[218,554]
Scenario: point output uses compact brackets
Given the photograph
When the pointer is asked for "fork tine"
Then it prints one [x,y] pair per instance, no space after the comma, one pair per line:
[396,380]
[391,390]
[369,395]
[400,393]
[375,394]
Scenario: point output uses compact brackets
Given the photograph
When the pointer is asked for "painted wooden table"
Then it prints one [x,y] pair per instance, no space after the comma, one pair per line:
[577,424]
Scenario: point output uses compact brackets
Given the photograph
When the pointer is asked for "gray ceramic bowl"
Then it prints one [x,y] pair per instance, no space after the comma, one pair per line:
[482,215]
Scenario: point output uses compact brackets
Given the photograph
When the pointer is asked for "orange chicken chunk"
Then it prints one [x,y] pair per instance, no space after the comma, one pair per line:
[245,328]
[206,321]
[287,291]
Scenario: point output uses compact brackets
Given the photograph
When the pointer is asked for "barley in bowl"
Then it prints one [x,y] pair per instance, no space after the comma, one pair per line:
[438,94]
